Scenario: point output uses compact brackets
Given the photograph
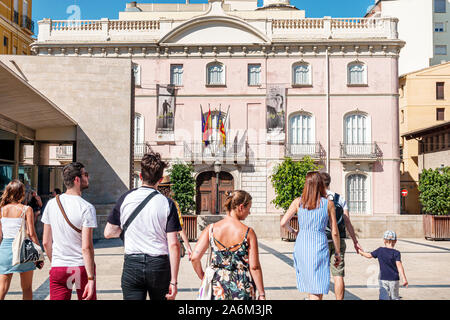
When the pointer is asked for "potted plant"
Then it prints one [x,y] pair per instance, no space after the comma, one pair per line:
[288,180]
[182,185]
[434,189]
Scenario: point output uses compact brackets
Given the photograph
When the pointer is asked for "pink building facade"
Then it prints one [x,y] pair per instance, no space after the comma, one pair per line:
[337,79]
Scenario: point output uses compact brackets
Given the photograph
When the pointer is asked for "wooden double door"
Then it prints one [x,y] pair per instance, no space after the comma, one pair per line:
[207,191]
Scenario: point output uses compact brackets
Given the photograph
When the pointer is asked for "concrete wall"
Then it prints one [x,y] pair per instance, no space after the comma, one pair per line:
[96,94]
[434,160]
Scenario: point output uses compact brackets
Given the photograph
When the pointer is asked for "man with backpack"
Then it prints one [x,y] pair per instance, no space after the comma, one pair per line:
[148,224]
[344,224]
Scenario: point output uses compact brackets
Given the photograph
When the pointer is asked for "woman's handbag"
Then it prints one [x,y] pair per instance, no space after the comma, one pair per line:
[205,291]
[25,250]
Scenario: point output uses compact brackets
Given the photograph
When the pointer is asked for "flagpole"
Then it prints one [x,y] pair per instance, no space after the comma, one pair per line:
[225,123]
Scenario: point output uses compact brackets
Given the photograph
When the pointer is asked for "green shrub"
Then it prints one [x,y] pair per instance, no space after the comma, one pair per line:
[288,180]
[434,189]
[183,186]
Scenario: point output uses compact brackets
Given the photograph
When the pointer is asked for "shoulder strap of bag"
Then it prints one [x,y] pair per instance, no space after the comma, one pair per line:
[136,212]
[210,241]
[65,216]
[24,210]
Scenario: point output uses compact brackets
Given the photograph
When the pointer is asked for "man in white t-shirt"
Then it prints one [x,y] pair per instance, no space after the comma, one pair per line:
[338,272]
[68,239]
[152,249]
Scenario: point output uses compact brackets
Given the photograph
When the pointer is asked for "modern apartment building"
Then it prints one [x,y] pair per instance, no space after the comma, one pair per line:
[424,104]
[423,25]
[16,27]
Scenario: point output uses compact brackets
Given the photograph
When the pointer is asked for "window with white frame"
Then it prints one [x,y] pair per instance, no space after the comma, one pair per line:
[138,129]
[176,74]
[25,12]
[254,74]
[356,129]
[301,74]
[357,73]
[301,134]
[438,27]
[137,74]
[440,6]
[215,74]
[357,193]
[357,135]
[136,181]
[440,50]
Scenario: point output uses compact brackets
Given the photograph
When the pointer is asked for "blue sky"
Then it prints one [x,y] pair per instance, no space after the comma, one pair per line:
[96,9]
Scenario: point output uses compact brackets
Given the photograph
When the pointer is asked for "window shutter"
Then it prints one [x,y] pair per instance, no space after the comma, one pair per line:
[439,90]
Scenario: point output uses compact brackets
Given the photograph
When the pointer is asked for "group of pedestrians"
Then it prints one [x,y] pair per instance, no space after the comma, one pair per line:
[319,250]
[149,223]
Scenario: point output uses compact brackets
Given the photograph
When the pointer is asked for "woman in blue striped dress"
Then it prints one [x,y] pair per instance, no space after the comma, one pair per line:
[311,255]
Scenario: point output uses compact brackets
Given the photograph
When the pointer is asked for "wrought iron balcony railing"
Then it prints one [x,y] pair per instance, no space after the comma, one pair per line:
[28,23]
[233,151]
[361,151]
[299,150]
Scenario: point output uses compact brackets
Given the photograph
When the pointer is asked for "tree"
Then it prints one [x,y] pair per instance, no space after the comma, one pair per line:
[183,186]
[288,180]
[434,188]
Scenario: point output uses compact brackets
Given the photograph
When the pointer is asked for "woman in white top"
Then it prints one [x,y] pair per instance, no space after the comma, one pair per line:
[12,213]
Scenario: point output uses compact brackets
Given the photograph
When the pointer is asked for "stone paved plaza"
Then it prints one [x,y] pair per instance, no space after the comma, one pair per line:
[426,266]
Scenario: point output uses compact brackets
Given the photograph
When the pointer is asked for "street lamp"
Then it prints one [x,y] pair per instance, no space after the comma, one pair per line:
[217,169]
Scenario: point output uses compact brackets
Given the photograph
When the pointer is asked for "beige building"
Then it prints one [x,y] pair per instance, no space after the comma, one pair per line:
[424,102]
[434,145]
[16,27]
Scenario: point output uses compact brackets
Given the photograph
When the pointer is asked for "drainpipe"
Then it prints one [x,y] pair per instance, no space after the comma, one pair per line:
[328,108]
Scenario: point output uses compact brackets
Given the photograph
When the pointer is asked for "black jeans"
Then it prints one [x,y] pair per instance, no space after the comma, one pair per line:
[143,274]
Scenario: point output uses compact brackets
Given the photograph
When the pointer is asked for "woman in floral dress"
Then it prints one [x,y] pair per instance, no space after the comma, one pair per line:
[234,257]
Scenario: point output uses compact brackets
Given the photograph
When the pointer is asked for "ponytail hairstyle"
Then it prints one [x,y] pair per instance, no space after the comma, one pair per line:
[13,193]
[236,198]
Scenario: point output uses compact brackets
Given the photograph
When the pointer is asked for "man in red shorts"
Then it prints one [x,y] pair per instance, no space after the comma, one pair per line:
[69,221]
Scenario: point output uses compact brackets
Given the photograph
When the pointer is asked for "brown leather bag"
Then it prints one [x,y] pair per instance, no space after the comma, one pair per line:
[65,216]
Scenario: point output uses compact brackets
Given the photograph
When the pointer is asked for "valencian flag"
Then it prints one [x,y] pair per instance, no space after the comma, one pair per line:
[207,129]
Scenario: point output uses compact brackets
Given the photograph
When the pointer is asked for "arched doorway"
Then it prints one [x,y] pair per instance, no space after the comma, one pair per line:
[207,191]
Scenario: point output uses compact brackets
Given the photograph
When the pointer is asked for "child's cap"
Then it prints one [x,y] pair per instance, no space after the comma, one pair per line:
[390,235]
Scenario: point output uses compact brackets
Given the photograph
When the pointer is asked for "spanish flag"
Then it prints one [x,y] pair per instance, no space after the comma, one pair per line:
[222,130]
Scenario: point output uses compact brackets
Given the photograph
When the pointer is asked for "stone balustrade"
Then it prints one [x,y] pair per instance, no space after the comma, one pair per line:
[120,30]
[336,28]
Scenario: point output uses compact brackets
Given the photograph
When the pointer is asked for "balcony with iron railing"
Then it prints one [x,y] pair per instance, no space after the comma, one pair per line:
[140,149]
[300,150]
[27,23]
[360,151]
[231,152]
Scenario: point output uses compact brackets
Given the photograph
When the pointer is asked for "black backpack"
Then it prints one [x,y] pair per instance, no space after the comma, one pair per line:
[339,219]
